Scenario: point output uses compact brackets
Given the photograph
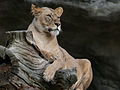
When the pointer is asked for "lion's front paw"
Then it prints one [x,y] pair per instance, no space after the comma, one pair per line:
[49,73]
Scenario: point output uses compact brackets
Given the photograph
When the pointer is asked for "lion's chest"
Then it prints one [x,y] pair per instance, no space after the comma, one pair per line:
[47,45]
[49,49]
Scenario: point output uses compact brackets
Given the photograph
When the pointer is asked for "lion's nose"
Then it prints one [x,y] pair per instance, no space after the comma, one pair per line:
[57,24]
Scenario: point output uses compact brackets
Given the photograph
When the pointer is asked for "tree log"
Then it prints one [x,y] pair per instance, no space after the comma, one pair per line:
[22,66]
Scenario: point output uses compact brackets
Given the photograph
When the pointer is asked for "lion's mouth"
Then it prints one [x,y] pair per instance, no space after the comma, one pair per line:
[54,31]
[50,29]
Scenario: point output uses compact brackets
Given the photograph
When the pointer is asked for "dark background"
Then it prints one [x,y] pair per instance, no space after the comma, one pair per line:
[94,37]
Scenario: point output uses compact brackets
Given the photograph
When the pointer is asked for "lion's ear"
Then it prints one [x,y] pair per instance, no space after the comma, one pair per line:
[35,11]
[59,11]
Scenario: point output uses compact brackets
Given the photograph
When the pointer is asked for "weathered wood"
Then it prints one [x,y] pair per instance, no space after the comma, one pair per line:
[27,65]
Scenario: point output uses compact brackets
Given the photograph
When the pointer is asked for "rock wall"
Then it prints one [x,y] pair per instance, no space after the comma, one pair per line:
[91,29]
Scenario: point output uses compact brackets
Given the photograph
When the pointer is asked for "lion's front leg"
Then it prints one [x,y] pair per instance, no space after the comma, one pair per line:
[49,73]
[51,70]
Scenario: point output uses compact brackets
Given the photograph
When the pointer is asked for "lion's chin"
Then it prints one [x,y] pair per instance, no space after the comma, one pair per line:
[54,32]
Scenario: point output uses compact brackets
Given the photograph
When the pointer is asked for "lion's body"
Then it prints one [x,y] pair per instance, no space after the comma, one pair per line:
[49,47]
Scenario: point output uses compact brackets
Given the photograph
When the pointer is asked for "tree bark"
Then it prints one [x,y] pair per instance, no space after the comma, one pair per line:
[22,66]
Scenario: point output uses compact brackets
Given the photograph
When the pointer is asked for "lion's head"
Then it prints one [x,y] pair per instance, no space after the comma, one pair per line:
[47,19]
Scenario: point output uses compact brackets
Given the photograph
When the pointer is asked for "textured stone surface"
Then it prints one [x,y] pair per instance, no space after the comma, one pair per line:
[96,8]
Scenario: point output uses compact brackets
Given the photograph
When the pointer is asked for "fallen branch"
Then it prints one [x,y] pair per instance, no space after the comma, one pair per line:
[26,66]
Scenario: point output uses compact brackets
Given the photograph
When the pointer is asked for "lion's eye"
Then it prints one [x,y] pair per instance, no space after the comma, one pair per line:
[48,18]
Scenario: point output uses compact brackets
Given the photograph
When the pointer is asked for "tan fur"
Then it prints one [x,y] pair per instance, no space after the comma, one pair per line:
[44,32]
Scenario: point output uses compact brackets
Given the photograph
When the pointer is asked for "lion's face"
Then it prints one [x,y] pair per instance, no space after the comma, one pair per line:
[47,19]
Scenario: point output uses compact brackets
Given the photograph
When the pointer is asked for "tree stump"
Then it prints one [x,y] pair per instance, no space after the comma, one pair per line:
[22,66]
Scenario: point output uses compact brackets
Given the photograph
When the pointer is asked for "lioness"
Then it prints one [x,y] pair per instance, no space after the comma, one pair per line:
[45,27]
